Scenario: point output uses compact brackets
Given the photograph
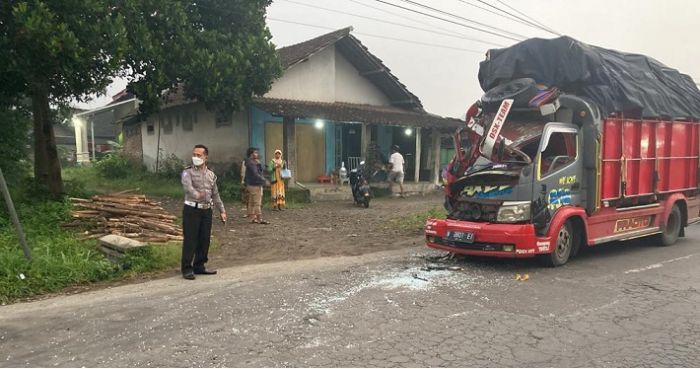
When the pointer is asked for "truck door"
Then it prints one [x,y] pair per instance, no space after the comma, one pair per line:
[558,169]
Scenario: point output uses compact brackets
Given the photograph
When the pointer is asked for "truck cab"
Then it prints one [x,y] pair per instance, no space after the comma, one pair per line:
[501,203]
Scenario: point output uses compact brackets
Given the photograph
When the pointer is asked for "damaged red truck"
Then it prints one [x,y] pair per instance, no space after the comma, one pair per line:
[571,146]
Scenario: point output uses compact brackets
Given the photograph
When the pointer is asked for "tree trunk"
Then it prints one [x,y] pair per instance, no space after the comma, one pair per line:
[47,167]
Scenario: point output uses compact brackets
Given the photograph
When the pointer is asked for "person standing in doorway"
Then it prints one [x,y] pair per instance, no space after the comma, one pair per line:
[255,180]
[201,194]
[396,174]
[276,181]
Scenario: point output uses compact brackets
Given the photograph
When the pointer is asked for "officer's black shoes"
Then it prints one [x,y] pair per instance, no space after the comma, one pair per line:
[206,272]
[188,275]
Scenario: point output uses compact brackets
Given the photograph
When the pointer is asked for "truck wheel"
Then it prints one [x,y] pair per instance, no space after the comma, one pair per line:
[521,90]
[672,230]
[564,246]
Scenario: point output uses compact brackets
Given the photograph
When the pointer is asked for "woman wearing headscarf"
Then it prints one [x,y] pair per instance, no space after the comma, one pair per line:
[277,182]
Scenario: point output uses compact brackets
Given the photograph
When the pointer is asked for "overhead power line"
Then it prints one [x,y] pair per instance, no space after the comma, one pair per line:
[379,36]
[549,29]
[501,30]
[448,20]
[503,14]
[393,23]
[386,11]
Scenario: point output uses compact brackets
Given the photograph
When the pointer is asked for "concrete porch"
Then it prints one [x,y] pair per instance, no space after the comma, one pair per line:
[332,192]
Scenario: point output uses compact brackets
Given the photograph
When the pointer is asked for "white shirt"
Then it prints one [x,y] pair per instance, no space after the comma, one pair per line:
[396,161]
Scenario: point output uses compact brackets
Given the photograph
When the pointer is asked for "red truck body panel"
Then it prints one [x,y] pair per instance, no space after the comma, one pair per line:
[635,149]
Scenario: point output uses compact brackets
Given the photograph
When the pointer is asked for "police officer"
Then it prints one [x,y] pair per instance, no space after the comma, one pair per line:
[201,193]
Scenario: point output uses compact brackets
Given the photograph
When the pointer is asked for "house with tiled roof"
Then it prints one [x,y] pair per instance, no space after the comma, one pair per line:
[333,99]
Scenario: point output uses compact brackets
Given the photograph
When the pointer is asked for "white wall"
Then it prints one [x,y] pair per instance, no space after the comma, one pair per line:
[328,77]
[226,144]
[351,87]
[311,80]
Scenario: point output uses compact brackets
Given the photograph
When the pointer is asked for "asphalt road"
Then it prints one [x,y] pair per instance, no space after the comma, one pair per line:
[625,304]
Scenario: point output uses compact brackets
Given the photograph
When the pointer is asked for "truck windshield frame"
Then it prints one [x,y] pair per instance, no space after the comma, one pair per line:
[573,143]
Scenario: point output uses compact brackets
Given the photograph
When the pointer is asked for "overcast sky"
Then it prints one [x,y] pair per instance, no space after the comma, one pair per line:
[445,78]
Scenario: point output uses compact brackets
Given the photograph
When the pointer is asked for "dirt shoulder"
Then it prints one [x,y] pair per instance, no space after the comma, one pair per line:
[317,230]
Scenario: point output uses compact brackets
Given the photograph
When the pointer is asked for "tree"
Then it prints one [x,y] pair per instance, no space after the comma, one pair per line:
[58,50]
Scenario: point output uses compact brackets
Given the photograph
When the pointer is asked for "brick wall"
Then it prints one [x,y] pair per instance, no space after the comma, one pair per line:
[133,146]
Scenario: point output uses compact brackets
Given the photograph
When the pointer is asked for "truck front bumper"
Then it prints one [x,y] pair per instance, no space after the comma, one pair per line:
[489,239]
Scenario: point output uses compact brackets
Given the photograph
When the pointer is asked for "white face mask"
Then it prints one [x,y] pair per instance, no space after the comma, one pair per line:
[197,161]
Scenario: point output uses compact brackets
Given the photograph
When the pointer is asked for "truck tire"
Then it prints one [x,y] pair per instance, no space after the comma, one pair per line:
[672,230]
[521,90]
[563,248]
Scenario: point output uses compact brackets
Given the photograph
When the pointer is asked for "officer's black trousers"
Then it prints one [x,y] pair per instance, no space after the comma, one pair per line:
[196,229]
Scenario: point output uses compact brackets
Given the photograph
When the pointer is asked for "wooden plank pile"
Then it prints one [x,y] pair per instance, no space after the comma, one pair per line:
[122,214]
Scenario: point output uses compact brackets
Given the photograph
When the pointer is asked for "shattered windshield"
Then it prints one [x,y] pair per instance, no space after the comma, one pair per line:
[517,143]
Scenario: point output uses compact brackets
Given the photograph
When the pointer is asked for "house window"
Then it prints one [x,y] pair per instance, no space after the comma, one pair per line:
[168,126]
[187,121]
[223,118]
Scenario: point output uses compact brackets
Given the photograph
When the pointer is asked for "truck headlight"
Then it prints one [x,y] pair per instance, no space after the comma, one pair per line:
[513,211]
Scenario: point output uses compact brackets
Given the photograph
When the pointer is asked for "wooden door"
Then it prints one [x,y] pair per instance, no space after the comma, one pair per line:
[311,152]
[311,149]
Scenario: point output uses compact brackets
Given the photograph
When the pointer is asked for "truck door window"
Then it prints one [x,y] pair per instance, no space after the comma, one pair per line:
[560,152]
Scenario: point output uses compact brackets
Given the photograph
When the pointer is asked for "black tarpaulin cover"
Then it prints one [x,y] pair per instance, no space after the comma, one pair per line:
[616,81]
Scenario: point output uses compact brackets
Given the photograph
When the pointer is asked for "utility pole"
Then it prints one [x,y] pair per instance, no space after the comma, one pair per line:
[13,215]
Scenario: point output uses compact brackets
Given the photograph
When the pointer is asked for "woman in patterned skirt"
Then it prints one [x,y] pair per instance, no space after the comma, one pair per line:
[277,182]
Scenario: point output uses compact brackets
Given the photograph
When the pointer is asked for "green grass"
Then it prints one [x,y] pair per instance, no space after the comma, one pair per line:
[87,180]
[415,223]
[152,258]
[59,259]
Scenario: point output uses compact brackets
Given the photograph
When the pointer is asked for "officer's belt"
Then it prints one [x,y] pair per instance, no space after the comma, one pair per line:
[197,205]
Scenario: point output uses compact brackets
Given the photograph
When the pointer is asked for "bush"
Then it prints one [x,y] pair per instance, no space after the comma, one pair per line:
[170,166]
[229,190]
[115,165]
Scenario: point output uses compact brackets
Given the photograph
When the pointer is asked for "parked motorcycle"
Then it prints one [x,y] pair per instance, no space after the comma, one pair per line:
[360,186]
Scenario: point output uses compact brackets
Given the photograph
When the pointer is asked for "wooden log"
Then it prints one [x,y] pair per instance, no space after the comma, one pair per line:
[139,198]
[147,208]
[76,199]
[128,212]
[129,206]
[95,212]
[123,192]
[159,222]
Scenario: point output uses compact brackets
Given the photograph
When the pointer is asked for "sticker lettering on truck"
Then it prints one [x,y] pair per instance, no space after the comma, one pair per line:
[559,197]
[542,246]
[485,192]
[631,224]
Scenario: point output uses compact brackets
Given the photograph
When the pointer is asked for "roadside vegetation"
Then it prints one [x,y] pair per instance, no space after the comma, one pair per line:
[415,223]
[60,258]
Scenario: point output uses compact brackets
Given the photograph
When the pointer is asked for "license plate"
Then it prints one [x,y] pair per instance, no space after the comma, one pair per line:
[467,237]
